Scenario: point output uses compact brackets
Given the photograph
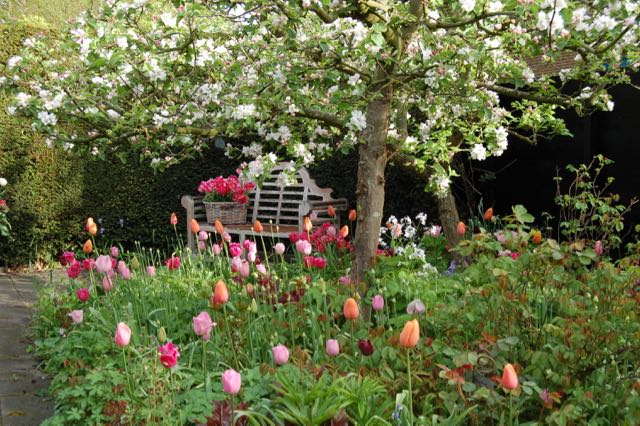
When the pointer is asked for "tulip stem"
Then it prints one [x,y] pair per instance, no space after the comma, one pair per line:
[510,408]
[204,357]
[410,390]
[232,410]
[126,372]
[226,323]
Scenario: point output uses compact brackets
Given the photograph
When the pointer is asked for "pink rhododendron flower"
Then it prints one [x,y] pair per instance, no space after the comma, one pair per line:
[202,325]
[169,355]
[279,248]
[231,381]
[104,264]
[114,251]
[77,316]
[83,294]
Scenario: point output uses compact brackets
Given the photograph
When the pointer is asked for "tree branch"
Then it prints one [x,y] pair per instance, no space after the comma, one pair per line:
[326,117]
[519,94]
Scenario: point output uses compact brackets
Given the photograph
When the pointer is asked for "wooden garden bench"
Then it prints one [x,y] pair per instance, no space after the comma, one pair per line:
[280,210]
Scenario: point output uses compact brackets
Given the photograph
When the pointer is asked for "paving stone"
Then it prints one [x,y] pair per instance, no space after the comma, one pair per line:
[24,410]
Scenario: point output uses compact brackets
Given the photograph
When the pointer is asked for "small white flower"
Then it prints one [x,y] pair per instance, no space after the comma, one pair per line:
[47,118]
[468,5]
[122,42]
[358,120]
[3,182]
[13,61]
[478,152]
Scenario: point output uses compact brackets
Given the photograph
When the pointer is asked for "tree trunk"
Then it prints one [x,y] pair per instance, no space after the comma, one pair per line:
[370,186]
[449,218]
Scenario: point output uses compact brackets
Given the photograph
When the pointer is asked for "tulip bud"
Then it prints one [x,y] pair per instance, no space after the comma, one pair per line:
[350,309]
[331,211]
[195,226]
[307,225]
[219,227]
[332,347]
[280,354]
[410,334]
[536,236]
[488,214]
[509,378]
[87,248]
[135,263]
[254,305]
[353,215]
[173,219]
[461,229]
[257,227]
[93,229]
[162,335]
[123,335]
[231,381]
[220,294]
[344,231]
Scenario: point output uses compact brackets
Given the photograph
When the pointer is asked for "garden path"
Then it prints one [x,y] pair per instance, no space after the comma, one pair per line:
[21,384]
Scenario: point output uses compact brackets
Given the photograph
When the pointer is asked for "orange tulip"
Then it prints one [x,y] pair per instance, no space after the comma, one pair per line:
[353,215]
[220,294]
[93,229]
[344,231]
[350,309]
[219,227]
[537,236]
[87,248]
[331,211]
[488,214]
[88,224]
[461,229]
[173,219]
[308,226]
[195,227]
[257,226]
[509,378]
[410,334]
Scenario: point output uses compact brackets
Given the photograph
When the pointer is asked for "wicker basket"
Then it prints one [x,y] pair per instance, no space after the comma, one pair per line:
[229,213]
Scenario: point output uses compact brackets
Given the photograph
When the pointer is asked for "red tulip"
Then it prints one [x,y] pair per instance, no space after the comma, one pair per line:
[509,378]
[169,355]
[83,294]
[74,269]
[365,347]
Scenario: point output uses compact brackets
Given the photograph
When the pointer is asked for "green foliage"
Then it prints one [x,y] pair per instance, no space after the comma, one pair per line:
[55,12]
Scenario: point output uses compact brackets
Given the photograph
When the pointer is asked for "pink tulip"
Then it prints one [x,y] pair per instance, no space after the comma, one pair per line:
[303,247]
[74,270]
[249,246]
[217,249]
[202,246]
[345,280]
[203,236]
[236,263]
[598,248]
[280,354]
[261,269]
[89,264]
[104,264]
[77,316]
[331,231]
[231,381]
[126,273]
[169,355]
[235,250]
[123,335]
[509,378]
[251,256]
[121,266]
[83,294]
[333,347]
[279,248]
[107,284]
[416,307]
[151,271]
[435,230]
[114,251]
[226,237]
[377,303]
[245,269]
[307,261]
[67,258]
[202,325]
[320,262]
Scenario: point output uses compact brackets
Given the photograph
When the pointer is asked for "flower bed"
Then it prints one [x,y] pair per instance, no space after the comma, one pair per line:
[520,328]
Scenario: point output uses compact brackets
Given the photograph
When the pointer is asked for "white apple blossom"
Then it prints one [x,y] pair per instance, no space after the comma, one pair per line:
[478,152]
[468,5]
[358,120]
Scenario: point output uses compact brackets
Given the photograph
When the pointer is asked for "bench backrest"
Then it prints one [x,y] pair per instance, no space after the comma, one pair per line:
[282,206]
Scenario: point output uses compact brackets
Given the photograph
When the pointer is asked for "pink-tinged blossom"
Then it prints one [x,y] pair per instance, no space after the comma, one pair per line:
[151,271]
[235,250]
[377,303]
[345,280]
[226,237]
[74,269]
[107,283]
[126,273]
[121,266]
[280,354]
[279,248]
[416,307]
[83,294]
[104,264]
[307,261]
[251,256]
[331,231]
[203,236]
[114,251]
[249,246]
[303,247]
[261,269]
[77,316]
[89,264]
[245,270]
[435,230]
[332,347]
[202,246]
[236,263]
[231,381]
[123,335]
[202,325]
[217,249]
[169,355]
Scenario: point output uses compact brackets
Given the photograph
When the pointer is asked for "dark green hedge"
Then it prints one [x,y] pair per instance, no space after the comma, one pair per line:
[51,193]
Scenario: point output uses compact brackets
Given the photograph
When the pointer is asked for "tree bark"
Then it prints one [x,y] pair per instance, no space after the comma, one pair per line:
[449,217]
[372,162]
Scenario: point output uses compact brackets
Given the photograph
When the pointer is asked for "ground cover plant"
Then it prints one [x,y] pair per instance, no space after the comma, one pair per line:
[515,328]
